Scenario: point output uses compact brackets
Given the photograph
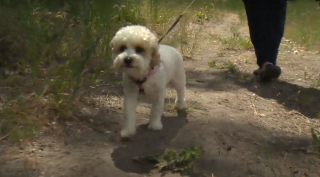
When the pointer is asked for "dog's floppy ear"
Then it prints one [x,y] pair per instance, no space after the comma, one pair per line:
[155,60]
[111,45]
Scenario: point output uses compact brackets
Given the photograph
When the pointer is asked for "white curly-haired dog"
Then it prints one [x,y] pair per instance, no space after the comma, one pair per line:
[147,67]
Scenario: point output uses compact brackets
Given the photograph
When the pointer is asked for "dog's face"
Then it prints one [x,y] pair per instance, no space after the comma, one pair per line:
[134,50]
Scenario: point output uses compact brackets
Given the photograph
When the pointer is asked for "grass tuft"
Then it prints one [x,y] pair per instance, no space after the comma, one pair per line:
[315,133]
[236,41]
[173,160]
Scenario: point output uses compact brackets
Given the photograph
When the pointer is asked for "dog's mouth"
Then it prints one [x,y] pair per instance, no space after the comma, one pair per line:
[128,66]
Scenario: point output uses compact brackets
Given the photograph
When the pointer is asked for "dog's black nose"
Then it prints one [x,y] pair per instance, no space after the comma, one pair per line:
[128,60]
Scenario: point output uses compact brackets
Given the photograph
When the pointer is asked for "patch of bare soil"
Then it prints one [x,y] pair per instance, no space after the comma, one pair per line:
[246,128]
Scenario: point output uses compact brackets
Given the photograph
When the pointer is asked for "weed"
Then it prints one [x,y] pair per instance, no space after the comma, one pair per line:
[173,160]
[317,81]
[194,106]
[236,41]
[212,64]
[232,67]
[205,13]
[316,136]
[235,70]
[187,35]
[220,54]
[170,107]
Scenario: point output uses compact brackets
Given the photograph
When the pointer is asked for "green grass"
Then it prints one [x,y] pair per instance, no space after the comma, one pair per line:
[236,41]
[174,160]
[315,133]
[303,24]
[212,64]
[316,82]
[221,54]
[230,66]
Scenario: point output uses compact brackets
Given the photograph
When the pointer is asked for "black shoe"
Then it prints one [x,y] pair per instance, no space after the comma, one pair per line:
[257,71]
[268,72]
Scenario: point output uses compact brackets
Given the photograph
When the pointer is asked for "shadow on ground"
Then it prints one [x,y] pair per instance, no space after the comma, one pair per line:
[240,149]
[147,142]
[231,148]
[293,97]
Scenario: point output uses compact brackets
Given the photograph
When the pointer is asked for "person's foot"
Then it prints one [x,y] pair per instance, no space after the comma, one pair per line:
[268,72]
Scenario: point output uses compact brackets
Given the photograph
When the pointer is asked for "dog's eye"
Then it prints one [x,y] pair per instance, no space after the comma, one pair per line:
[122,48]
[139,49]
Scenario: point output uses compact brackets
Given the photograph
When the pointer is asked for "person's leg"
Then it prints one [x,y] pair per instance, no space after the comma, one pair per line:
[266,20]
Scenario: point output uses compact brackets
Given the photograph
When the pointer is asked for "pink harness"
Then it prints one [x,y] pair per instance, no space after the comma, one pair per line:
[139,83]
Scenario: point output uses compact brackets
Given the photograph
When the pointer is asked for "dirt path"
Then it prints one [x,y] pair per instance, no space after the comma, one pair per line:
[245,128]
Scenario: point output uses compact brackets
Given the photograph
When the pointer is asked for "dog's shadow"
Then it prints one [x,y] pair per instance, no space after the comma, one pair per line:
[147,142]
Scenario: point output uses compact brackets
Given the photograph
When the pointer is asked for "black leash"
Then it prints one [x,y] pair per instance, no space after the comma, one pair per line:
[177,21]
[173,25]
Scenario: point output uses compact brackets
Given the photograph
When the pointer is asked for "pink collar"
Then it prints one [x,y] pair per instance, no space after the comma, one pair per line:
[139,83]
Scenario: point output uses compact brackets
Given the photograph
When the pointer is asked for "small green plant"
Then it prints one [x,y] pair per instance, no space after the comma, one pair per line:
[129,12]
[220,54]
[212,64]
[236,40]
[232,67]
[192,106]
[317,81]
[170,107]
[173,160]
[205,13]
[316,136]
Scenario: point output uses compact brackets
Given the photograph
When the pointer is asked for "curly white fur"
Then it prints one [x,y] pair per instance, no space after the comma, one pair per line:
[135,50]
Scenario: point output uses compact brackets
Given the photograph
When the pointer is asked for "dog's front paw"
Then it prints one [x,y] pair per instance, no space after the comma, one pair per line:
[156,125]
[125,133]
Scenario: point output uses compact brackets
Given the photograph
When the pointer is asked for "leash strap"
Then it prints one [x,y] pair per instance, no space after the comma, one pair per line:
[176,22]
[172,26]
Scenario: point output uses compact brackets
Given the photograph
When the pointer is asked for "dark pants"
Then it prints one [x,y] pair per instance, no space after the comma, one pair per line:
[266,20]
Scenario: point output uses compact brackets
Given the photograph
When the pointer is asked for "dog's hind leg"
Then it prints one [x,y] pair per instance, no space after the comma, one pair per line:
[180,85]
[156,111]
[180,99]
